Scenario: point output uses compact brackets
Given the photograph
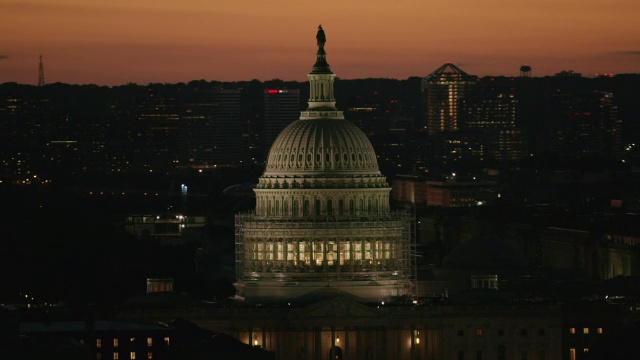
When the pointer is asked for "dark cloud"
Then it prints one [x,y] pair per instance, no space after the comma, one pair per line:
[630,52]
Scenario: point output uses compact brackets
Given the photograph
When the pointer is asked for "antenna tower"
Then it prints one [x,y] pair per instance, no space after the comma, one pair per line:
[40,73]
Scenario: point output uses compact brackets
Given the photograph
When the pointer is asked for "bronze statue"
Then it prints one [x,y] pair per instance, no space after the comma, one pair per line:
[320,37]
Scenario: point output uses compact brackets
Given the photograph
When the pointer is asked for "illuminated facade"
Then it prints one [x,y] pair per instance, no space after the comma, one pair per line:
[443,91]
[322,214]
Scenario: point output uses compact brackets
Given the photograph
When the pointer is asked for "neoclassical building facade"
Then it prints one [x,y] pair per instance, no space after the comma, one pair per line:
[322,214]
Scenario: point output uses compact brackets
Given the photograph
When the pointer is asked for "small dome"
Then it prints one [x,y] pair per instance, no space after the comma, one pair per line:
[325,145]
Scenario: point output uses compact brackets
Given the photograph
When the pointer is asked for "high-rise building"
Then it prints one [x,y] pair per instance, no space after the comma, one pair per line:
[281,108]
[322,214]
[155,132]
[586,124]
[442,94]
[211,129]
[490,114]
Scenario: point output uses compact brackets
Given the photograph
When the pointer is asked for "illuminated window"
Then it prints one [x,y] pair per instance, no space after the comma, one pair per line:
[572,330]
[98,343]
[132,339]
[599,330]
[585,350]
[572,354]
[478,332]
[115,355]
[132,355]
[149,355]
[115,342]
[585,330]
[166,340]
[149,341]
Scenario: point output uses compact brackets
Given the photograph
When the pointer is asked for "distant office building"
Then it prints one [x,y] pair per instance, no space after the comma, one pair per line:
[442,94]
[281,108]
[155,132]
[211,129]
[490,116]
[586,125]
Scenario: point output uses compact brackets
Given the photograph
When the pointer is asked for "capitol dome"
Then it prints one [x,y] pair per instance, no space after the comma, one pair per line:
[321,146]
[322,215]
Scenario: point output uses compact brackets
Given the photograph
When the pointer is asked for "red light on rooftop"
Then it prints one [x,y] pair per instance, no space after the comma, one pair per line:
[272,91]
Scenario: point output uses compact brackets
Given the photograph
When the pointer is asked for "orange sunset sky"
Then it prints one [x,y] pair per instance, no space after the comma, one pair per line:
[116,42]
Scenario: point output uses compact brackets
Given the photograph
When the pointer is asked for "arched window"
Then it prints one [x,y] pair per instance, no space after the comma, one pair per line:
[294,208]
[306,208]
[341,207]
[318,207]
[330,207]
[285,207]
[352,209]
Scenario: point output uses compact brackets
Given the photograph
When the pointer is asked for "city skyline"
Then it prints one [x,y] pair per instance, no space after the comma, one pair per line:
[86,42]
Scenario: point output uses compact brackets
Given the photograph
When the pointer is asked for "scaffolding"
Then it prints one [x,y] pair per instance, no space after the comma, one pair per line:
[340,249]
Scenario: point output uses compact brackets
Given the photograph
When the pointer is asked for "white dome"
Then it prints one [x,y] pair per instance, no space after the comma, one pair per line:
[321,146]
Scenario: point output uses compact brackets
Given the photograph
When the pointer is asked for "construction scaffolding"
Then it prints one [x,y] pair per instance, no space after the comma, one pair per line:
[373,248]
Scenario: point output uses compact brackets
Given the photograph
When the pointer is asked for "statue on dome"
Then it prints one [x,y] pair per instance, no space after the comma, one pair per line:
[320,37]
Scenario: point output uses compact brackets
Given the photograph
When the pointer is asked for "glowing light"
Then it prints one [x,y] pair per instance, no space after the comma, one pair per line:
[338,339]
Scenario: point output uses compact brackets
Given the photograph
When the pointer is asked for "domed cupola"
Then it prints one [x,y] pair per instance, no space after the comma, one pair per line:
[322,214]
[322,144]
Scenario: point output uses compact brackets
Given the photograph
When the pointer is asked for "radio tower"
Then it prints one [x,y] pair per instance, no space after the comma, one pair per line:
[40,73]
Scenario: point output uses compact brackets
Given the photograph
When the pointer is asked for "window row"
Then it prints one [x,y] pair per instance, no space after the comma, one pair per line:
[308,253]
[327,207]
[116,341]
[585,330]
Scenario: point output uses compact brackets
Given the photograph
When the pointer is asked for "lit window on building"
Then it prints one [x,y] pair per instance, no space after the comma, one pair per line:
[478,332]
[585,350]
[149,341]
[599,330]
[149,355]
[115,342]
[572,330]
[132,339]
[98,343]
[572,354]
[115,355]
[585,330]
[166,340]
[132,355]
